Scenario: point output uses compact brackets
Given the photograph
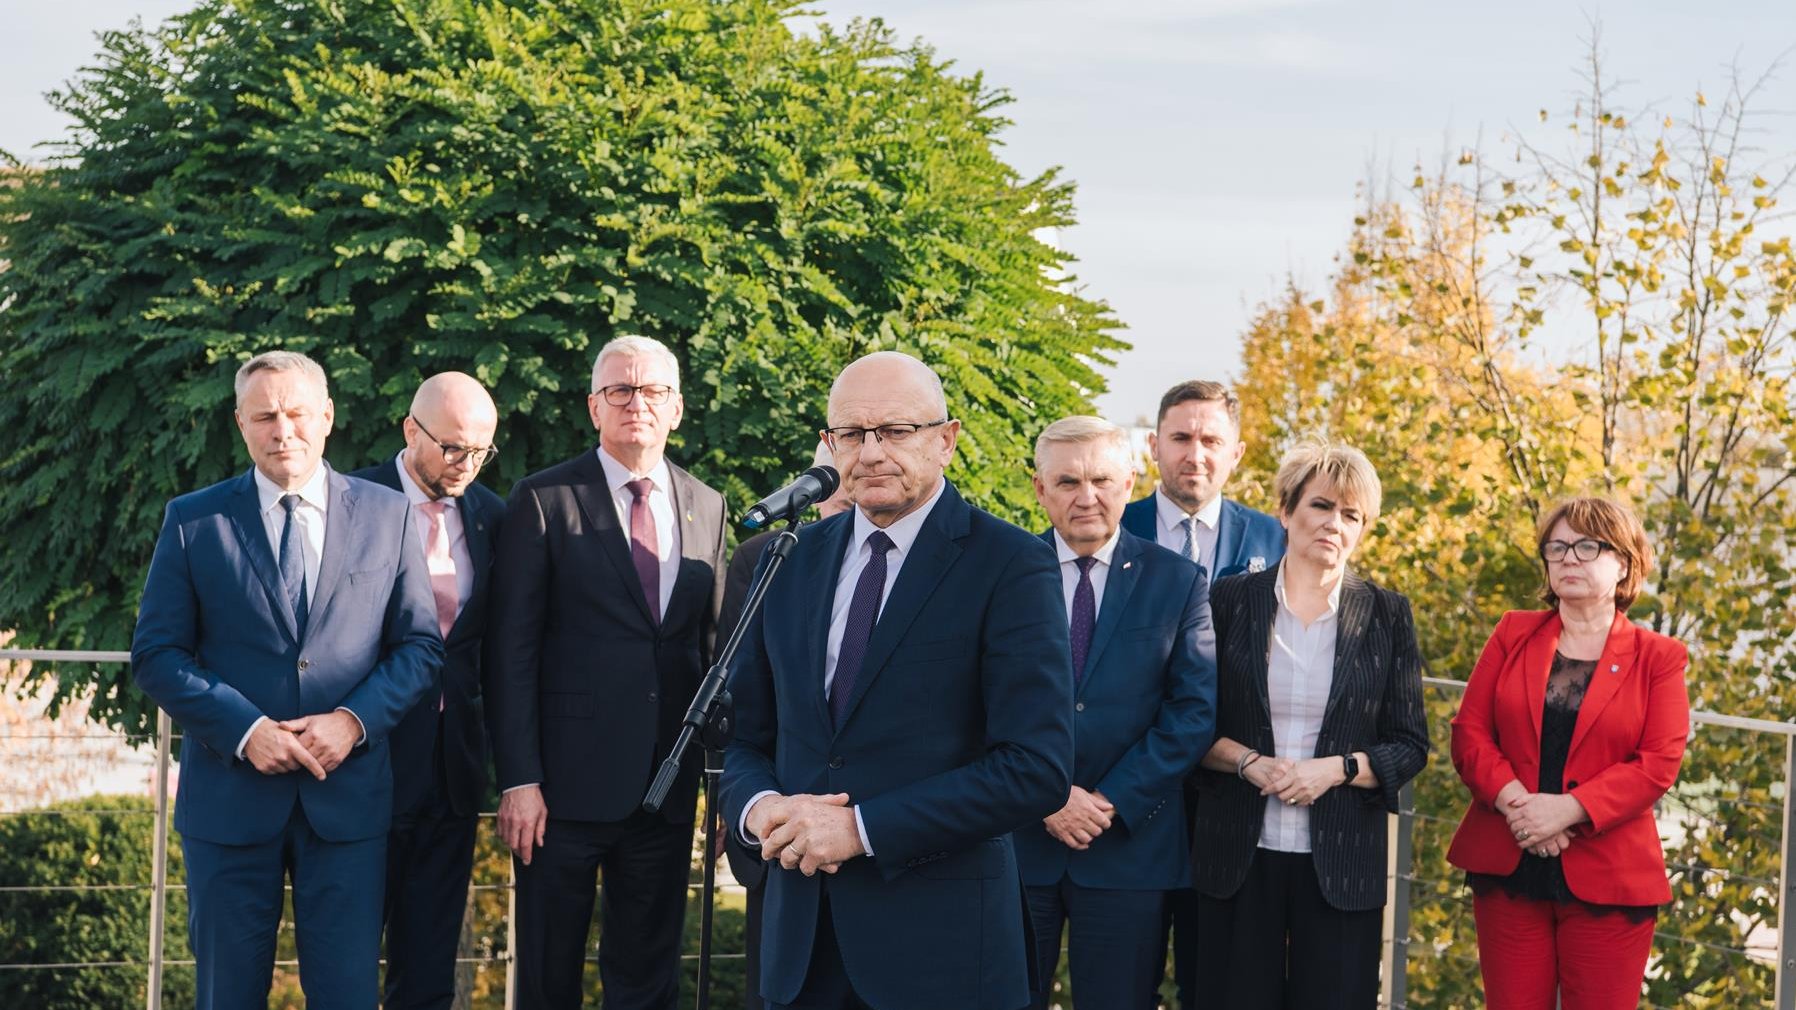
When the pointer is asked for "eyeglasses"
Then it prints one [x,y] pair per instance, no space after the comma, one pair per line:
[1586,549]
[845,439]
[455,454]
[654,395]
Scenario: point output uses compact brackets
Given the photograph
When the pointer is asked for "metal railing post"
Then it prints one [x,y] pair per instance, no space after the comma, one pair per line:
[511,934]
[159,864]
[1786,950]
[1401,849]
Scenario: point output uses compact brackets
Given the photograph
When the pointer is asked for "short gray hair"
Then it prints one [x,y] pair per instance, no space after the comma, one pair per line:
[1081,428]
[280,361]
[1346,468]
[636,346]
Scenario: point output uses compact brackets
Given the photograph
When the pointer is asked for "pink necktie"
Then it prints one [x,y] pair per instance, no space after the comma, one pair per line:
[441,565]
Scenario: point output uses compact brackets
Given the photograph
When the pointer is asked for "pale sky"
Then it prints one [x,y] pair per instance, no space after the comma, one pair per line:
[1216,144]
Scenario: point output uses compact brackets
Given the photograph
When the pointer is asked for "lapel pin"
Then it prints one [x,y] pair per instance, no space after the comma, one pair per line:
[688,517]
[1614,668]
[1127,563]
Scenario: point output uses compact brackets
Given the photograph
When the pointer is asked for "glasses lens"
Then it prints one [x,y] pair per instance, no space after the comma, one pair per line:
[1553,550]
[847,438]
[896,433]
[1587,549]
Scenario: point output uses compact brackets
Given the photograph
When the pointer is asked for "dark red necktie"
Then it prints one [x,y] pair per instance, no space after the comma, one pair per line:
[1084,617]
[644,545]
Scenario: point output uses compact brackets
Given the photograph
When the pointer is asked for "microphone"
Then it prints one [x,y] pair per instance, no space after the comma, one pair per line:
[812,486]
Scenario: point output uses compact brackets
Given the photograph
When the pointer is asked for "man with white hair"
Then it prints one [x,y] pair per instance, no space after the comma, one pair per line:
[1144,710]
[605,597]
[439,748]
[287,626]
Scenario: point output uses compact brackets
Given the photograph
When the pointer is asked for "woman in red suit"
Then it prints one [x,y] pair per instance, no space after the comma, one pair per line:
[1573,726]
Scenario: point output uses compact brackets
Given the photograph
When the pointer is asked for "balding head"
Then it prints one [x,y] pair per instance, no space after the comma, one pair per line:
[451,414]
[891,474]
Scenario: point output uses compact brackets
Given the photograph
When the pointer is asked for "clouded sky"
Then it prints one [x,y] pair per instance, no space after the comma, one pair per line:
[1216,144]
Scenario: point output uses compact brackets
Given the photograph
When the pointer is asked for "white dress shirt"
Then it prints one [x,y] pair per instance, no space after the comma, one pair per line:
[1169,528]
[904,536]
[1100,572]
[452,524]
[667,531]
[1300,668]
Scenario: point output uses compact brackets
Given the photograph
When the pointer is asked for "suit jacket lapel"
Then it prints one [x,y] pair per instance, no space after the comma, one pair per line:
[252,537]
[1262,607]
[696,537]
[1537,666]
[1119,584]
[1350,630]
[933,553]
[339,537]
[821,568]
[1614,667]
[593,495]
[473,528]
[1228,534]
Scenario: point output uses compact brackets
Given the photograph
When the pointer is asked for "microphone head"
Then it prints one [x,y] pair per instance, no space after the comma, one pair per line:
[828,477]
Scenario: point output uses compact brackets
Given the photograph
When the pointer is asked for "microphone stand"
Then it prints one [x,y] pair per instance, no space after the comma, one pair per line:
[711,718]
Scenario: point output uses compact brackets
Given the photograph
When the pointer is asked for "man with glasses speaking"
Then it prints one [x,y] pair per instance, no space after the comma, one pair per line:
[903,703]
[439,748]
[605,598]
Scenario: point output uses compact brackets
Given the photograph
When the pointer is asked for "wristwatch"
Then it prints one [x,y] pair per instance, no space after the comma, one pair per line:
[1351,765]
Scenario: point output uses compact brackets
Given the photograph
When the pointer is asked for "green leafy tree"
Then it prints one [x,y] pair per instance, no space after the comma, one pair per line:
[406,186]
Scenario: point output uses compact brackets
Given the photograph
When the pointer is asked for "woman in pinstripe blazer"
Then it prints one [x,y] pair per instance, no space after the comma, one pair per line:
[1319,724]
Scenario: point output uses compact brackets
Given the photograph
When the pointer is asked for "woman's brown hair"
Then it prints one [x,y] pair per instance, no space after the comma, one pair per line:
[1615,524]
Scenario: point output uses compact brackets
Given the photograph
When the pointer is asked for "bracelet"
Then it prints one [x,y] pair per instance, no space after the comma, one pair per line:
[1247,757]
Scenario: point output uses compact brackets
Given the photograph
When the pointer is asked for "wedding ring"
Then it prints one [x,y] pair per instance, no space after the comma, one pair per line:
[1522,836]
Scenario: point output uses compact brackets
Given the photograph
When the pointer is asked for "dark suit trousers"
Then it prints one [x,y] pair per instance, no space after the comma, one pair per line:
[826,982]
[644,862]
[234,899]
[1180,919]
[1113,944]
[430,856]
[1279,945]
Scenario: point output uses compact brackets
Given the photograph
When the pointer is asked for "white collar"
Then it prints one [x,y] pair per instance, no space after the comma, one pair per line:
[1171,515]
[1334,595]
[617,474]
[904,531]
[1103,554]
[314,492]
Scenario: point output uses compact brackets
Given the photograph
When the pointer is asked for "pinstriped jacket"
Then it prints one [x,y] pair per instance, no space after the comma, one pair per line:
[1374,705]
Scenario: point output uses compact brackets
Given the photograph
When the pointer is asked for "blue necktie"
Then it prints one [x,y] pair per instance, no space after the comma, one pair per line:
[863,611]
[293,564]
[1189,550]
[1084,617]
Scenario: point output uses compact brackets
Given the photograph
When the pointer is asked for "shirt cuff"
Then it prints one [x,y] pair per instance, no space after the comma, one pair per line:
[861,826]
[526,785]
[359,724]
[742,822]
[241,744]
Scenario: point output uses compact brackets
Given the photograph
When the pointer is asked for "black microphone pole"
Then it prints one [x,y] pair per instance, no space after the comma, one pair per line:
[712,719]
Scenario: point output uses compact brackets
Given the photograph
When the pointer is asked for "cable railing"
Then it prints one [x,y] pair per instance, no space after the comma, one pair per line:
[1420,879]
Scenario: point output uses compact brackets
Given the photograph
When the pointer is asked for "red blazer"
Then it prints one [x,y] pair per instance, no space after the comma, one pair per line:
[1624,755]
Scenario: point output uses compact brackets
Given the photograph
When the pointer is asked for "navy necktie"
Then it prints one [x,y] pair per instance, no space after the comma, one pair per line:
[863,612]
[1084,617]
[293,564]
[645,546]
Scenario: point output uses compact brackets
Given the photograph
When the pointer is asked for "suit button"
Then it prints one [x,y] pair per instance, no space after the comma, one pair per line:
[653,696]
[1079,707]
[1573,784]
[304,663]
[836,762]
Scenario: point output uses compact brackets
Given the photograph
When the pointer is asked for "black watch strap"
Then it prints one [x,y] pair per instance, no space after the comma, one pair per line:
[1351,765]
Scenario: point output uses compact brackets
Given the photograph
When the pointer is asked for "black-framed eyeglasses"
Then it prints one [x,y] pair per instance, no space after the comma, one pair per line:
[455,454]
[1585,549]
[654,394]
[843,439]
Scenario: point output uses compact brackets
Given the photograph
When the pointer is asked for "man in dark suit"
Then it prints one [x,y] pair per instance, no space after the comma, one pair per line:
[746,864]
[1144,712]
[287,625]
[903,703]
[1196,443]
[439,748]
[604,607]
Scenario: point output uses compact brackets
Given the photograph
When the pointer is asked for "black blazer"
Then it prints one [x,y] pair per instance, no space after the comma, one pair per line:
[746,864]
[1374,705]
[585,692]
[463,716]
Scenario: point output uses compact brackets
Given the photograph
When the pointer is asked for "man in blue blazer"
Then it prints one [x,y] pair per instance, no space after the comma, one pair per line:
[903,703]
[439,749]
[1144,689]
[1196,443]
[287,625]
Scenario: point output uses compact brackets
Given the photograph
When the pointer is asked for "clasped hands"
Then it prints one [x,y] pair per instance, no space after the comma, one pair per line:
[806,832]
[1296,783]
[1087,815]
[317,743]
[1541,823]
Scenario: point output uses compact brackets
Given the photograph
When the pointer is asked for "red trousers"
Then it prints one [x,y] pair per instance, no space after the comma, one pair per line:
[1529,951]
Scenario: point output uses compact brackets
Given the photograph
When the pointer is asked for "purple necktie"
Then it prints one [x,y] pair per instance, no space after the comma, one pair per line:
[644,545]
[863,611]
[1084,616]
